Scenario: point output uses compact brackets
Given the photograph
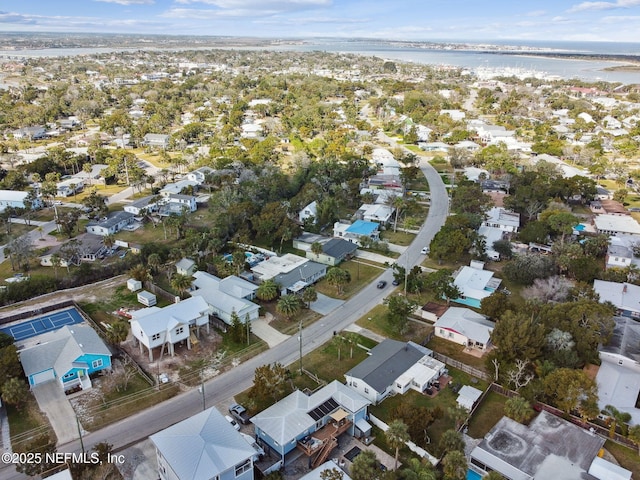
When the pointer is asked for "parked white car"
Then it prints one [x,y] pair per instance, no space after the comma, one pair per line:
[233,423]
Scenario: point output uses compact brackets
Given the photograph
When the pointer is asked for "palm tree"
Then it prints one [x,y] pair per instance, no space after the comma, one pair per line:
[451,440]
[417,470]
[455,465]
[309,295]
[339,342]
[267,291]
[154,262]
[180,282]
[617,418]
[397,435]
[108,240]
[316,248]
[288,305]
[518,409]
[118,332]
[458,413]
[353,339]
[338,277]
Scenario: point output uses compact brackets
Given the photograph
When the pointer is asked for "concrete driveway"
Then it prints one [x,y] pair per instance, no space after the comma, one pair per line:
[325,305]
[53,402]
[266,332]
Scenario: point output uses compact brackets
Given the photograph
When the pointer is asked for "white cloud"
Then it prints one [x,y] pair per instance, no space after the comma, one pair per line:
[620,18]
[536,13]
[128,2]
[584,6]
[284,5]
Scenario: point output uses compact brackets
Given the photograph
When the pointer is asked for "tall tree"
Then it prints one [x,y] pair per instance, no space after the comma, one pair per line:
[571,390]
[269,384]
[365,467]
[288,305]
[518,336]
[518,409]
[455,465]
[397,436]
[617,418]
[338,277]
[268,290]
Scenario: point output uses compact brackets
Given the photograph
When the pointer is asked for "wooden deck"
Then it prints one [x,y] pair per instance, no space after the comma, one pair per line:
[317,439]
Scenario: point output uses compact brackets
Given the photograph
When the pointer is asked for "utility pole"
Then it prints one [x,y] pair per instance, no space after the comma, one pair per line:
[80,433]
[300,341]
[201,390]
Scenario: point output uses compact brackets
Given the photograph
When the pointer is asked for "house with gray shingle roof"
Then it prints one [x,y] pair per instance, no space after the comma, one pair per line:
[394,366]
[465,327]
[203,447]
[69,355]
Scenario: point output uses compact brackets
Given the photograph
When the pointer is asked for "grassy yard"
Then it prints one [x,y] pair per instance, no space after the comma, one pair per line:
[376,322]
[328,366]
[444,400]
[117,405]
[398,238]
[26,423]
[486,415]
[627,458]
[362,274]
[456,352]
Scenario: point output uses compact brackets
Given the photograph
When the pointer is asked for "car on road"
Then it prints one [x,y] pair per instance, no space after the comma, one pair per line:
[233,423]
[424,250]
[58,202]
[634,209]
[239,413]
[381,284]
[395,282]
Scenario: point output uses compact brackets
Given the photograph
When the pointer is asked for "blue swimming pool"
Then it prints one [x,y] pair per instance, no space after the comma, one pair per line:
[471,475]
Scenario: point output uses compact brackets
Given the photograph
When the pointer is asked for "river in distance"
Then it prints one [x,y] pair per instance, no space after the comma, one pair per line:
[584,69]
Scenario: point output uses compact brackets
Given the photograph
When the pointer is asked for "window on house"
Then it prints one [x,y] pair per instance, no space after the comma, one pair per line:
[179,330]
[155,336]
[243,467]
[366,390]
[96,363]
[355,385]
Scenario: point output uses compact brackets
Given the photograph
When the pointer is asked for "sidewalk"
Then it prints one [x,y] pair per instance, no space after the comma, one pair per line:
[5,437]
[374,257]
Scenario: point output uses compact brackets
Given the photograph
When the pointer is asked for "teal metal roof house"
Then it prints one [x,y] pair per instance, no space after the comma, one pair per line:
[69,355]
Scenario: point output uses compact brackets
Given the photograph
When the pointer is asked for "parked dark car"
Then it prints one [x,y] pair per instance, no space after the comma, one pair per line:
[381,284]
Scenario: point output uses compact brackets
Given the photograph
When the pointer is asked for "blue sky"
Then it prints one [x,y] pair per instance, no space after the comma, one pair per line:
[605,20]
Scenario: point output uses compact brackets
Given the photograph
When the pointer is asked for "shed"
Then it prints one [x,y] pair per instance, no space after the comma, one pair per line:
[147,298]
[468,396]
[134,285]
[605,470]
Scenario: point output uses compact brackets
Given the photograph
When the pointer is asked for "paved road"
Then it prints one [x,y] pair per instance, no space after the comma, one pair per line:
[240,378]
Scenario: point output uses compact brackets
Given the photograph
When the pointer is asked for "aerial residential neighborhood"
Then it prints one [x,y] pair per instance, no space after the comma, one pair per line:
[238,263]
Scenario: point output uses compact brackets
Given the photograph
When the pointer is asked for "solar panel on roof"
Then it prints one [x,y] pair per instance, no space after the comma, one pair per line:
[323,409]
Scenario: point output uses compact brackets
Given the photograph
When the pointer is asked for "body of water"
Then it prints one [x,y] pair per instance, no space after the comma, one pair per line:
[589,70]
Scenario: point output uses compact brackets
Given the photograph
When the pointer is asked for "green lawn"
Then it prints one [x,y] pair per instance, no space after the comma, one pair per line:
[456,352]
[375,321]
[487,415]
[27,422]
[362,274]
[398,238]
[627,458]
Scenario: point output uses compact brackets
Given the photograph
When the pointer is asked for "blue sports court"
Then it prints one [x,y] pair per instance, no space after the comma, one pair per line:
[42,324]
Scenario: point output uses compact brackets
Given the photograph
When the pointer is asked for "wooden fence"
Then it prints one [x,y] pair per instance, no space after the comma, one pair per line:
[37,311]
[462,367]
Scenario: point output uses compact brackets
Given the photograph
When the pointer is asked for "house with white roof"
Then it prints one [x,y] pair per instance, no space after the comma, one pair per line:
[68,355]
[468,396]
[165,327]
[456,115]
[274,265]
[227,296]
[618,377]
[385,162]
[503,219]
[310,211]
[156,140]
[203,447]
[186,266]
[464,327]
[548,448]
[394,367]
[624,296]
[612,224]
[611,123]
[475,283]
[620,252]
[69,186]
[142,205]
[298,279]
[16,199]
[177,204]
[312,423]
[375,212]
[111,224]
[200,174]
[491,235]
[177,187]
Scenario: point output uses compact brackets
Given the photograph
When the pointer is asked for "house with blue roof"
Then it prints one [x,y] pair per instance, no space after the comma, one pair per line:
[475,283]
[69,355]
[353,232]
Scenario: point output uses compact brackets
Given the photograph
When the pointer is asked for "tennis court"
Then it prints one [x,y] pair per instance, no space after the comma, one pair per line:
[44,323]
